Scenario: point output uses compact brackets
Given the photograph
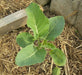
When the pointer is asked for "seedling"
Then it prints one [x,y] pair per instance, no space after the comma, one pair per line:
[44,31]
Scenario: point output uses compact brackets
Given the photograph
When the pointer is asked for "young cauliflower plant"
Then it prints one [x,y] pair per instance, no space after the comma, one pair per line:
[44,30]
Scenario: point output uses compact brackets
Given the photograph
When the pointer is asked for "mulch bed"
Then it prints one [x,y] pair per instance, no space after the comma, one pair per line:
[69,41]
[10,6]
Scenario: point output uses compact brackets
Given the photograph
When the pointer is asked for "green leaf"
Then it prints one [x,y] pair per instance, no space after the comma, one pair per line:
[56,27]
[24,39]
[56,71]
[37,21]
[48,45]
[58,57]
[30,56]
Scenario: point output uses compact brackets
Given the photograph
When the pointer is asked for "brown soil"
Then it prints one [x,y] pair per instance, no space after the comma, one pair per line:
[69,41]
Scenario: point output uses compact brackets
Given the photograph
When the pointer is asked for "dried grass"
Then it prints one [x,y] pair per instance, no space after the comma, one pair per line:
[8,52]
[68,41]
[10,6]
[71,45]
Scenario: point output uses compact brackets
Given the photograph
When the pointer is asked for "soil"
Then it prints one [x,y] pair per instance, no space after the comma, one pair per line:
[69,41]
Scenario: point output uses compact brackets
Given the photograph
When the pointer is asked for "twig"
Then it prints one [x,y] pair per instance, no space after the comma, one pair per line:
[6,61]
[67,70]
[29,69]
[51,66]
[79,46]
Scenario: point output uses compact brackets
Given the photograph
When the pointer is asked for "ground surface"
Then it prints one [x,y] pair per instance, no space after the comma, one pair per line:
[69,41]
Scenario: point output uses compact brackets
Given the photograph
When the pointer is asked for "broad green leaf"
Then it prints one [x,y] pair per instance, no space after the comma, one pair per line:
[37,21]
[58,57]
[56,71]
[24,39]
[30,56]
[56,27]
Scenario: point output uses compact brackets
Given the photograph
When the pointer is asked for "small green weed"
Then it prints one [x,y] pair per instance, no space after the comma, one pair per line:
[44,30]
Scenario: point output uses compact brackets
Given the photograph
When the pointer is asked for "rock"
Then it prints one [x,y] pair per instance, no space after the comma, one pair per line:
[69,9]
[75,4]
[79,19]
[42,2]
[64,8]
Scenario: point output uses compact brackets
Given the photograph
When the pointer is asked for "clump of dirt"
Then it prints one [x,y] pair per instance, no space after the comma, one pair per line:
[69,41]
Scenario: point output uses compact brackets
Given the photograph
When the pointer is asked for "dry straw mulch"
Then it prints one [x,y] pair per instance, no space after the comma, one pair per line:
[10,6]
[8,52]
[69,41]
[72,47]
